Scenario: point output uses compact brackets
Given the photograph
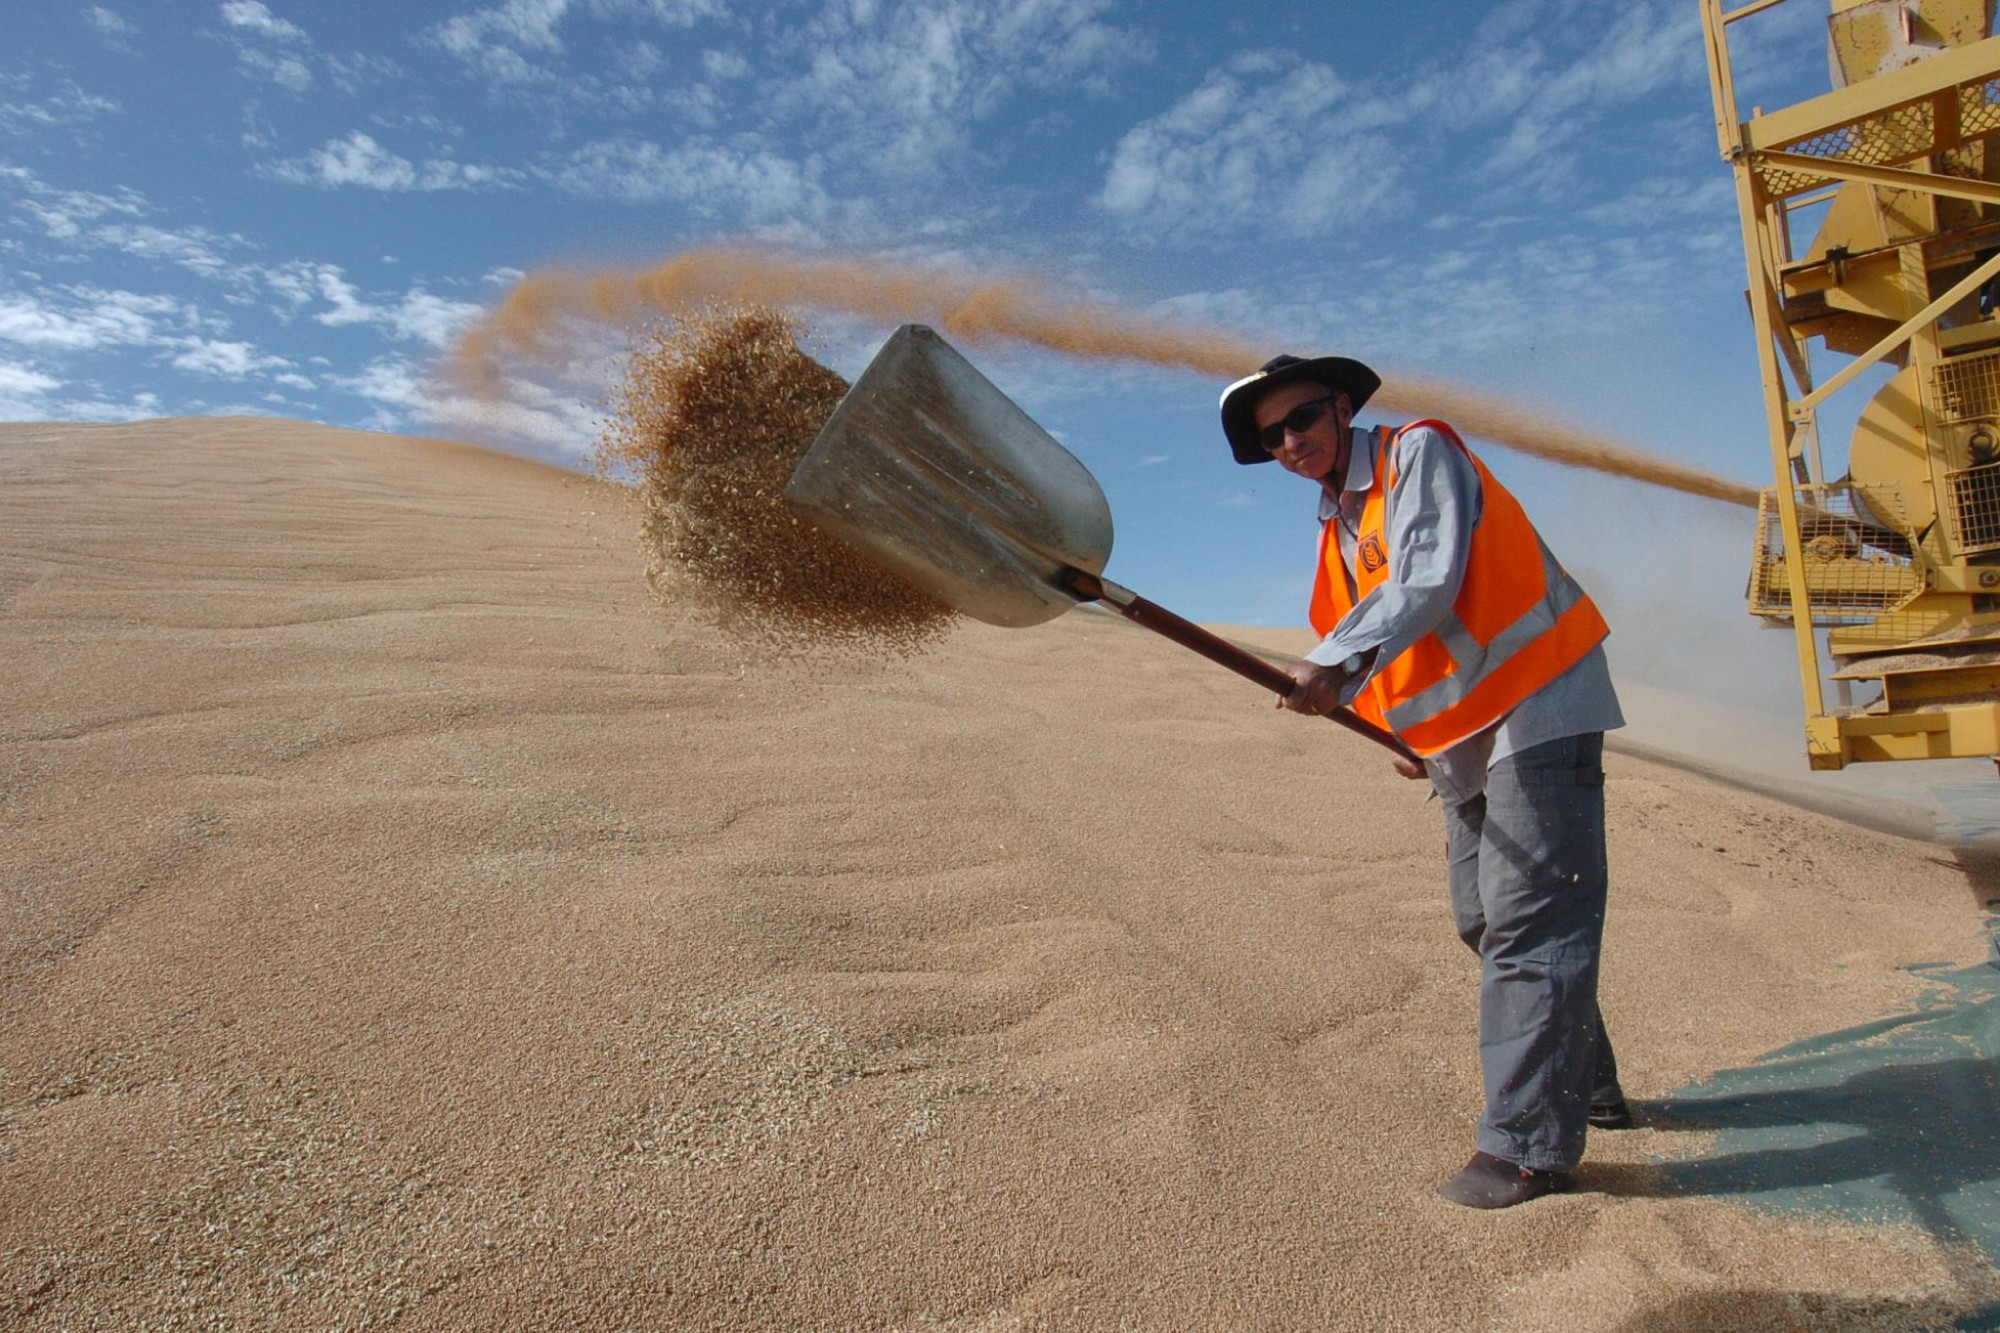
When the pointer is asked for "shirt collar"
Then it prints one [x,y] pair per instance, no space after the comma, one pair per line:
[1361,449]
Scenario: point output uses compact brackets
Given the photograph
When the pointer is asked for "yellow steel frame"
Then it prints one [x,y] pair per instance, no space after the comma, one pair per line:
[1918,723]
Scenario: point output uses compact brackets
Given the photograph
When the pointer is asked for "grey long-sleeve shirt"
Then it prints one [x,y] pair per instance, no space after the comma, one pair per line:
[1432,506]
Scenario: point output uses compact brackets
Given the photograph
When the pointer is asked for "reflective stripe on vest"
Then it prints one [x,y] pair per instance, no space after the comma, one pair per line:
[1518,622]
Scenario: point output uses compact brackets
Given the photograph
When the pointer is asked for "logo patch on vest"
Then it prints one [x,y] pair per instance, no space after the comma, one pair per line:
[1371,554]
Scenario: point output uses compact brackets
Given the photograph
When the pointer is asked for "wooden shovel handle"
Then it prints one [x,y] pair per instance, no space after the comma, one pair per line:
[1222,652]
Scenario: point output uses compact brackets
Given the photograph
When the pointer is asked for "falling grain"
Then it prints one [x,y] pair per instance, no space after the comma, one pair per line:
[716,407]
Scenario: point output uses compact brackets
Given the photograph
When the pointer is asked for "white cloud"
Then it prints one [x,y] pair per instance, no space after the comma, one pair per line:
[529,23]
[724,65]
[268,48]
[294,282]
[427,318]
[1264,146]
[640,60]
[117,30]
[1646,48]
[225,360]
[44,407]
[419,316]
[1534,287]
[490,41]
[359,161]
[532,413]
[18,379]
[27,394]
[352,73]
[62,214]
[711,179]
[1269,145]
[141,406]
[667,13]
[393,382]
[259,130]
[84,318]
[1668,197]
[87,219]
[24,392]
[348,308]
[416,315]
[195,248]
[896,86]
[505,42]
[196,405]
[256,17]
[69,106]
[284,69]
[108,23]
[435,126]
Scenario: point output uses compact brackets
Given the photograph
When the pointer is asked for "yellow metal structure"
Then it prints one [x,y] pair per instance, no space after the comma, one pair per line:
[1898,560]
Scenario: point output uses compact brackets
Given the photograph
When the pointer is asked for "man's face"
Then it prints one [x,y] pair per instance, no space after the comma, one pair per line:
[1318,452]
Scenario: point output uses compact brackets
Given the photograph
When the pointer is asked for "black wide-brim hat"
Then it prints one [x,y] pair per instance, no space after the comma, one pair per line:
[1239,401]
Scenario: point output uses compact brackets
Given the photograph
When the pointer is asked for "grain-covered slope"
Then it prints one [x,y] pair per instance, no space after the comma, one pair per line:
[403,921]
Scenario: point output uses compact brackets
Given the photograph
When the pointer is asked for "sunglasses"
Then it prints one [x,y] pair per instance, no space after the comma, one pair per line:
[1298,421]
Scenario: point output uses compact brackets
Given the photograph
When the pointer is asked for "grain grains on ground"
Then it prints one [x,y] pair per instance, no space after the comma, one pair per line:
[400,927]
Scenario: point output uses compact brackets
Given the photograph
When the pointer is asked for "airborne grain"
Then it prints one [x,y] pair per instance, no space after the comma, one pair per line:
[528,322]
[716,407]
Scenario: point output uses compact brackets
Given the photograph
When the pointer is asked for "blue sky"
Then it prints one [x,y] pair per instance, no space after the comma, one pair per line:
[291,208]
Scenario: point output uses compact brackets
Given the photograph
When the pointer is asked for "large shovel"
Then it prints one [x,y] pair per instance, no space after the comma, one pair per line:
[934,473]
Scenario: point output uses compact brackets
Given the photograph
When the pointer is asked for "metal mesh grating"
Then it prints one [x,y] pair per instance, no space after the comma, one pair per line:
[1858,555]
[1966,388]
[1979,109]
[1878,141]
[1975,508]
[1966,163]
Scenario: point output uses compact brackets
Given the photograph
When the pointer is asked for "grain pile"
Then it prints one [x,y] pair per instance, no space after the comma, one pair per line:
[399,930]
[529,323]
[716,407]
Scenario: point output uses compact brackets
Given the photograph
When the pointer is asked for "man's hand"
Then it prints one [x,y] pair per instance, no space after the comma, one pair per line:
[1409,768]
[1315,689]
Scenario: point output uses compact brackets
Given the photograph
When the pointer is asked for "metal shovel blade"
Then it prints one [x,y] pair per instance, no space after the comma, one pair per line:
[934,473]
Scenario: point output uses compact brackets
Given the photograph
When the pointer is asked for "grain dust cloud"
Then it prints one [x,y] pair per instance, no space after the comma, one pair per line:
[716,407]
[528,323]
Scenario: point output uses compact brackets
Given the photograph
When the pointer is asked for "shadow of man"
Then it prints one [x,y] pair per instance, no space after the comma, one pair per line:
[1925,1134]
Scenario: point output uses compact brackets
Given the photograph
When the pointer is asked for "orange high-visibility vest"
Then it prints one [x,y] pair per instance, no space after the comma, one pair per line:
[1518,622]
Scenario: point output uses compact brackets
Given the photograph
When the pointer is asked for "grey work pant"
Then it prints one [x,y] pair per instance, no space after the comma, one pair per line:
[1527,889]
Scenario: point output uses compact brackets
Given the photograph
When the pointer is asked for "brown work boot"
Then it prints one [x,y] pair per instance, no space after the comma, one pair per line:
[1489,1182]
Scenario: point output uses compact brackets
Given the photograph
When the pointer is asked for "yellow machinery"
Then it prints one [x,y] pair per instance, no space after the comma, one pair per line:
[1900,559]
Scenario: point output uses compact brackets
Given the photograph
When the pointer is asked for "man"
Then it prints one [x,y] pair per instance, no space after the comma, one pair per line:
[1445,619]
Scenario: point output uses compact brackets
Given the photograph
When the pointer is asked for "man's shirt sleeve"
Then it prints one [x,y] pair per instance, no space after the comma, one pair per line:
[1432,505]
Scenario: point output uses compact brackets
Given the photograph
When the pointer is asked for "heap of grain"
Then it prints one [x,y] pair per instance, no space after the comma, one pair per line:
[715,409]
